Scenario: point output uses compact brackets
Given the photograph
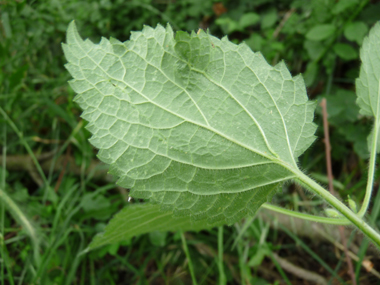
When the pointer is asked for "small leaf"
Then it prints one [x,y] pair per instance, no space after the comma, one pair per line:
[255,41]
[341,107]
[248,19]
[311,73]
[320,32]
[269,18]
[332,213]
[227,24]
[345,51]
[341,6]
[314,49]
[358,134]
[356,31]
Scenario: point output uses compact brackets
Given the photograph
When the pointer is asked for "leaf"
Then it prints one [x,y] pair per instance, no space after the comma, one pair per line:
[320,32]
[227,24]
[311,73]
[201,126]
[357,134]
[269,18]
[342,108]
[314,49]
[248,19]
[341,6]
[255,41]
[367,85]
[345,51]
[356,31]
[158,238]
[137,219]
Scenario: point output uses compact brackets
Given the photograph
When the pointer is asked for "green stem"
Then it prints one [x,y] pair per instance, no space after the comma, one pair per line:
[2,210]
[338,205]
[371,171]
[186,250]
[308,217]
[366,201]
[222,275]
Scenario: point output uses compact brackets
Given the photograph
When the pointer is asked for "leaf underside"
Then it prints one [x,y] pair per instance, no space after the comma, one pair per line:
[201,126]
[139,219]
[368,83]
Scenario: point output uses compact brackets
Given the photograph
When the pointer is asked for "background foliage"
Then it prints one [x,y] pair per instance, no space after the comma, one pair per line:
[47,220]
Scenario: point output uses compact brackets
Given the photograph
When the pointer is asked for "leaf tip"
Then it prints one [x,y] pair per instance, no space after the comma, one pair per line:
[72,35]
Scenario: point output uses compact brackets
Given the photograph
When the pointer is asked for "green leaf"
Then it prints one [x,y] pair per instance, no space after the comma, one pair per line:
[332,213]
[158,238]
[248,19]
[345,51]
[311,73]
[356,31]
[227,24]
[341,6]
[314,49]
[342,108]
[357,134]
[367,85]
[255,41]
[201,126]
[269,18]
[320,32]
[138,219]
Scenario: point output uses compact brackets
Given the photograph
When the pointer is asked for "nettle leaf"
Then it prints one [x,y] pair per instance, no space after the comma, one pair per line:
[368,83]
[201,126]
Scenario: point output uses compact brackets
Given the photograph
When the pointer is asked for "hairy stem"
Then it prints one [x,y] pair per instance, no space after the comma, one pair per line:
[307,217]
[371,171]
[338,205]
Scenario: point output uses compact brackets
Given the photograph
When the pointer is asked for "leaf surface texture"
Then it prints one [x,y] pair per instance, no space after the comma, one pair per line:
[368,83]
[204,127]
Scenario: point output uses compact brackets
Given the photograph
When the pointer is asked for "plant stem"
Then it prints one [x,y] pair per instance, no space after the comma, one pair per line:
[338,205]
[2,211]
[187,253]
[222,275]
[371,171]
[331,186]
[308,217]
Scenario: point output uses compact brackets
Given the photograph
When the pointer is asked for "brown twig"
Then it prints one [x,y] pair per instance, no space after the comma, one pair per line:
[283,21]
[331,186]
[300,272]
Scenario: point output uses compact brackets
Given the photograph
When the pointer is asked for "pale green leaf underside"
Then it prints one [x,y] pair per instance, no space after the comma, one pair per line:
[139,219]
[368,83]
[200,125]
